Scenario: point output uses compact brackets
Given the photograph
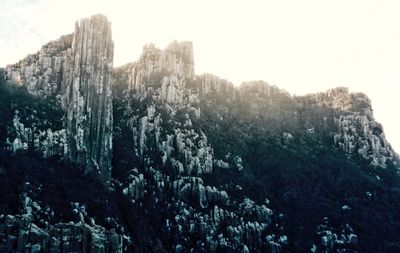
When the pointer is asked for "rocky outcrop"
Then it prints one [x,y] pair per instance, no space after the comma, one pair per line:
[34,230]
[135,189]
[192,189]
[163,74]
[330,240]
[88,95]
[168,125]
[210,214]
[358,134]
[161,107]
[19,234]
[50,142]
[355,130]
[42,73]
[261,88]
[209,83]
[241,232]
[77,69]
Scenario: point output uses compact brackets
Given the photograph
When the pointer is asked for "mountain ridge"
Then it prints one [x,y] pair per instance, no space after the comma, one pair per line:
[199,154]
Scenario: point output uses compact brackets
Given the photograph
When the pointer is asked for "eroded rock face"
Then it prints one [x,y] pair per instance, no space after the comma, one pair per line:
[78,69]
[42,73]
[50,142]
[207,83]
[330,241]
[163,73]
[88,96]
[155,91]
[158,101]
[35,229]
[161,105]
[206,212]
[19,234]
[355,130]
[169,160]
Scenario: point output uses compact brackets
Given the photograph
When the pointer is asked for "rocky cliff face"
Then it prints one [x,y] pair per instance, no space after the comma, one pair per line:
[196,158]
[42,73]
[156,90]
[77,70]
[163,73]
[157,101]
[88,95]
[355,130]
[346,116]
[34,231]
[165,117]
[21,234]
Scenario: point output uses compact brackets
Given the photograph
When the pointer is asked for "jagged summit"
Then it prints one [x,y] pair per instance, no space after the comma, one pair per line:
[77,68]
[191,163]
[168,75]
[167,71]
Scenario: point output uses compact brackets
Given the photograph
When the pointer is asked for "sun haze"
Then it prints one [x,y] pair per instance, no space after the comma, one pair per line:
[300,46]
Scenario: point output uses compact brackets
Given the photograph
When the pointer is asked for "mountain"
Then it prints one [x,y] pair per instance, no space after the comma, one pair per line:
[150,157]
[77,70]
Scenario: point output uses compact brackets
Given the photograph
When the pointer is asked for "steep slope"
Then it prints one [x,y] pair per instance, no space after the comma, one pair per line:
[198,164]
[254,140]
[290,152]
[355,129]
[76,69]
[49,204]
[160,154]
[346,117]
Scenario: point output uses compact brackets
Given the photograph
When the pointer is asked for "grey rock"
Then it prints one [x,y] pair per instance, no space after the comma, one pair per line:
[78,69]
[70,237]
[163,73]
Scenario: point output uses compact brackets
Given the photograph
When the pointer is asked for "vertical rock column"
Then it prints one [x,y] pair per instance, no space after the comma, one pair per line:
[163,74]
[88,95]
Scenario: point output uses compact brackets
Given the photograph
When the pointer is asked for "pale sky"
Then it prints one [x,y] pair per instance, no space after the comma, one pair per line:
[301,46]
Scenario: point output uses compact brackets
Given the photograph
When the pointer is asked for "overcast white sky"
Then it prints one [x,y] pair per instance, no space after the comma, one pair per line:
[301,46]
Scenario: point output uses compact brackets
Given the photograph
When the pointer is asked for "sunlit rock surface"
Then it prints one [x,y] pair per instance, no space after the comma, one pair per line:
[77,68]
[355,130]
[175,153]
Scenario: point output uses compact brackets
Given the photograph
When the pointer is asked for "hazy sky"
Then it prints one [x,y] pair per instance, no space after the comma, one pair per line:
[301,46]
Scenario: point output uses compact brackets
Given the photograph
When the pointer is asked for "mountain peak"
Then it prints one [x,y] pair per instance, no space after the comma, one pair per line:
[167,161]
[77,68]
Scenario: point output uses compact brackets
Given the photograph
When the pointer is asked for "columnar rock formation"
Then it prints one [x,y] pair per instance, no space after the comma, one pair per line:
[346,116]
[163,73]
[88,95]
[355,130]
[176,153]
[21,234]
[163,77]
[207,83]
[42,73]
[77,69]
[159,97]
